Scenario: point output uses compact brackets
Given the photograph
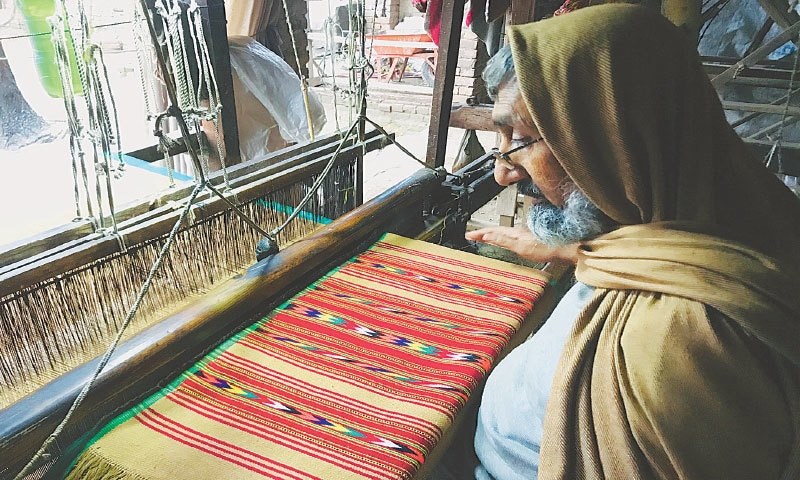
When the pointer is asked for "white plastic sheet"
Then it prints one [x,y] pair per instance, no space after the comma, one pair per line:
[268,94]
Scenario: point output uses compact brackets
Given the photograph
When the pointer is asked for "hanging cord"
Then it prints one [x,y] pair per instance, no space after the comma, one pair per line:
[362,63]
[109,133]
[189,95]
[303,78]
[176,112]
[42,452]
[116,134]
[57,30]
[207,78]
[103,131]
[165,145]
[777,146]
[394,142]
[140,47]
[92,133]
[329,27]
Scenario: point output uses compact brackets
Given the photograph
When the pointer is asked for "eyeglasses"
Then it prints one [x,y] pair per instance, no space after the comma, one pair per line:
[505,156]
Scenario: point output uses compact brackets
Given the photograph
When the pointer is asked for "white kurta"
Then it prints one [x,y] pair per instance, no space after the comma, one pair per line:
[511,416]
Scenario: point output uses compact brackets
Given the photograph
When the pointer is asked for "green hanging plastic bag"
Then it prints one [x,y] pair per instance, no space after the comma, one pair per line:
[36,13]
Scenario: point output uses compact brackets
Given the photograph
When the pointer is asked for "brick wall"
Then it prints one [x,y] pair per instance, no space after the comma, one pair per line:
[386,16]
[472,57]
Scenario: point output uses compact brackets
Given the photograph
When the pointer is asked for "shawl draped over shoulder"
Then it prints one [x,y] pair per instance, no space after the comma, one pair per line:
[653,383]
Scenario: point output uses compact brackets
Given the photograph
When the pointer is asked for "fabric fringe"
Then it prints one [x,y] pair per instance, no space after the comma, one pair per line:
[94,466]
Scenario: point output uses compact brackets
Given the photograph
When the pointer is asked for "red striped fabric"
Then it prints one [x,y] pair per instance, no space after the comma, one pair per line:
[358,376]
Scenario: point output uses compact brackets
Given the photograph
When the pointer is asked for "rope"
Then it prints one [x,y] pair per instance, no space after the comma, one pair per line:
[103,131]
[140,49]
[115,115]
[329,26]
[303,79]
[189,95]
[110,351]
[776,147]
[65,74]
[316,184]
[208,76]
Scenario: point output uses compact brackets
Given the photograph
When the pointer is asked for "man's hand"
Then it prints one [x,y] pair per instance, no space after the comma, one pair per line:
[521,241]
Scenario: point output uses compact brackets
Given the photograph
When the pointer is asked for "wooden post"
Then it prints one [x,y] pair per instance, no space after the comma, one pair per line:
[522,11]
[221,62]
[447,59]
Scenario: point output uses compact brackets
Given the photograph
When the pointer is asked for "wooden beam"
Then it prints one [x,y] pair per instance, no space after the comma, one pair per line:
[778,10]
[522,11]
[472,117]
[759,54]
[761,108]
[49,264]
[760,35]
[58,236]
[775,127]
[221,62]
[447,59]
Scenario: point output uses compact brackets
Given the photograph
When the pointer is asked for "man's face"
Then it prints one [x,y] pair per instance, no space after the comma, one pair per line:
[561,213]
[535,163]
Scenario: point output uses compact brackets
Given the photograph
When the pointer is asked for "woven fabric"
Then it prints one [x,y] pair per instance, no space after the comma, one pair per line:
[358,376]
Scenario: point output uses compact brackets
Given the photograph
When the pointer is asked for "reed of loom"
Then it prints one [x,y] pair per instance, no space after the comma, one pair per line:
[158,353]
[60,307]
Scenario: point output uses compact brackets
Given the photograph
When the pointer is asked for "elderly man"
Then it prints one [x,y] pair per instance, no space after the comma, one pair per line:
[677,353]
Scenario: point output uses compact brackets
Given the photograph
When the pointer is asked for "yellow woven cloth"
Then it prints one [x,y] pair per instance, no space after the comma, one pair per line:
[649,386]
[356,377]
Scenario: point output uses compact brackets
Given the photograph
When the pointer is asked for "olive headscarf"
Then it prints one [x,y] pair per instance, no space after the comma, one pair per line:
[650,384]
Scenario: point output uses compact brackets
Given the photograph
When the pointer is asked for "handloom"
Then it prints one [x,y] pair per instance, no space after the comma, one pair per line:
[62,314]
[427,205]
[355,377]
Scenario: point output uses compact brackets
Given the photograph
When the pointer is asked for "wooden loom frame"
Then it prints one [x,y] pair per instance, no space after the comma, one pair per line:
[143,363]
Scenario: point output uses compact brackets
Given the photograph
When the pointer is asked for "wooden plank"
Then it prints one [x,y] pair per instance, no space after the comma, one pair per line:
[472,117]
[447,60]
[761,108]
[760,35]
[27,247]
[757,76]
[169,347]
